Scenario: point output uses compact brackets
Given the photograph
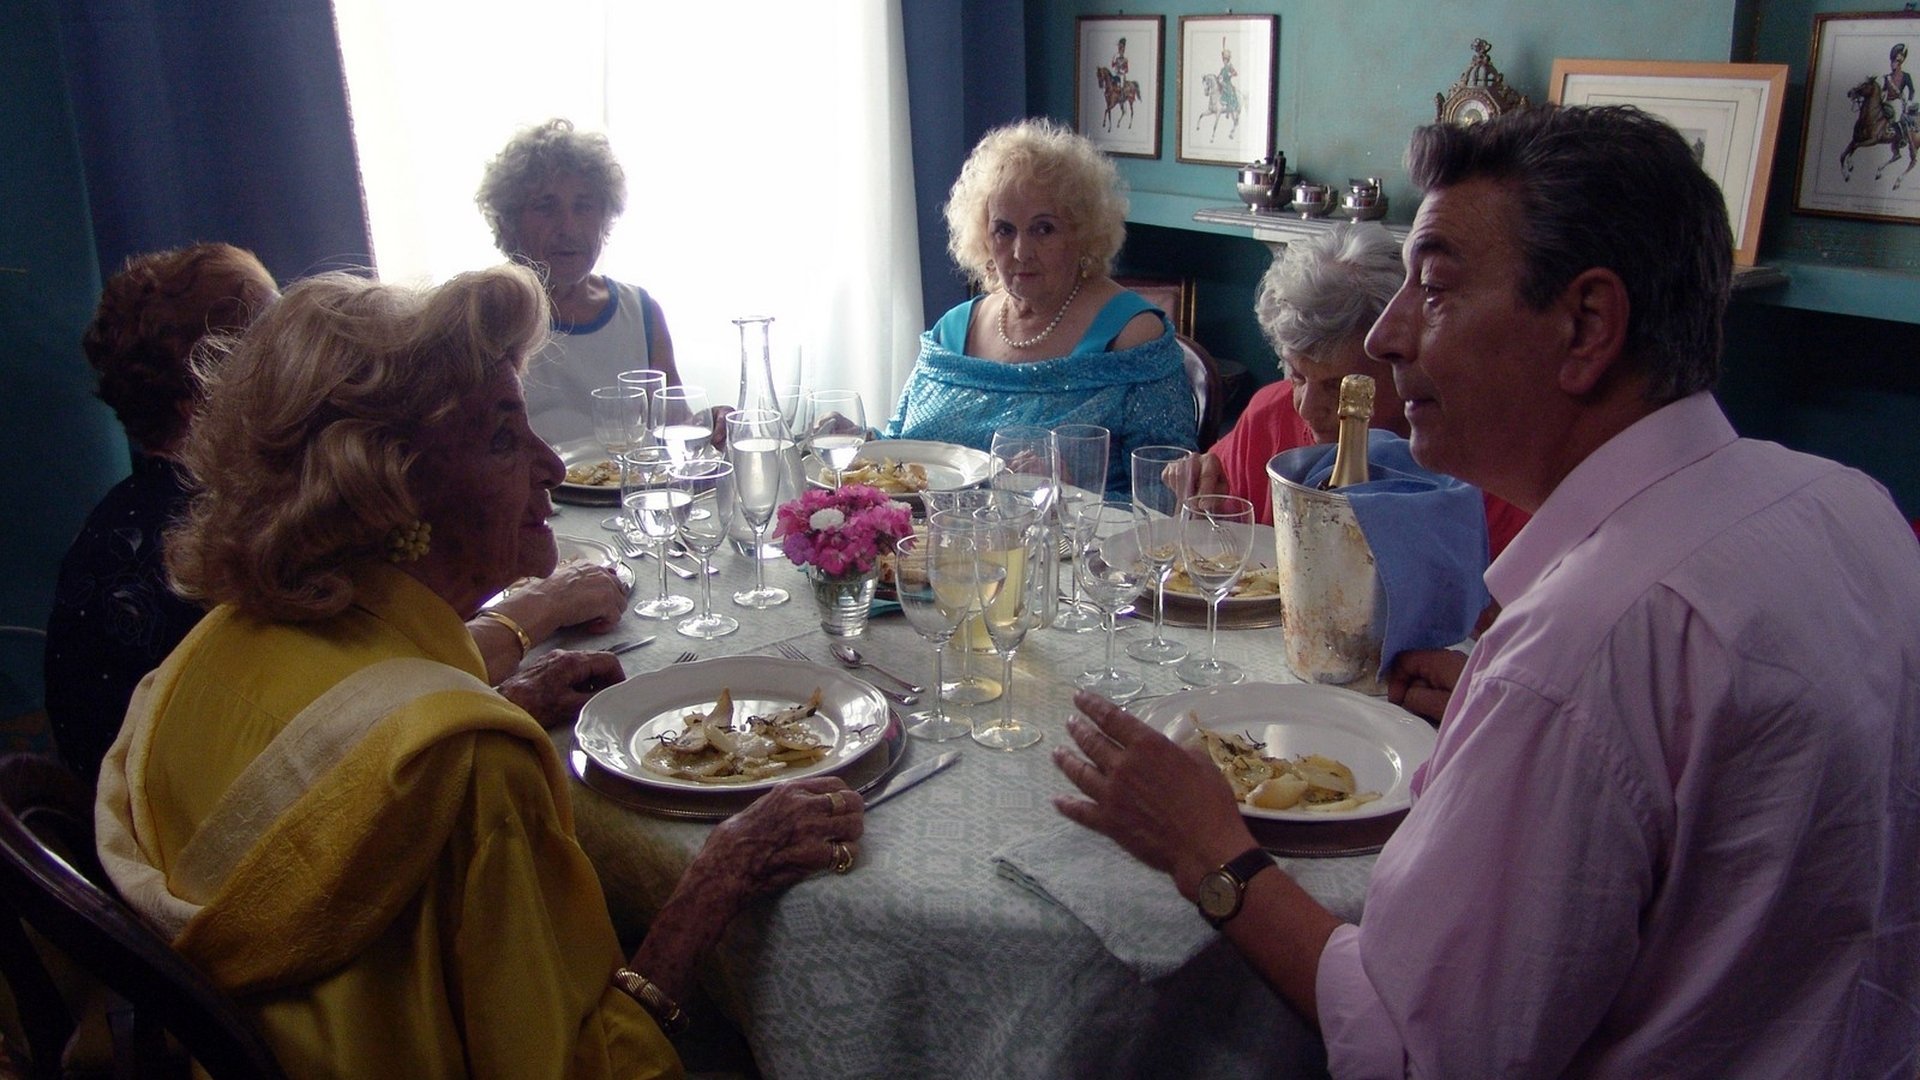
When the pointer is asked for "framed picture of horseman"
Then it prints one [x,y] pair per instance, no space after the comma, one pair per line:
[1116,83]
[1861,137]
[1226,88]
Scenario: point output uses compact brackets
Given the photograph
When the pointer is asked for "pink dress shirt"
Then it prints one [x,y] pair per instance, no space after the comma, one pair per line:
[1670,827]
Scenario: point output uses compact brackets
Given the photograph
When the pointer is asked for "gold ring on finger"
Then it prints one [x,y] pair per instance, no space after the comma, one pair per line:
[836,802]
[842,858]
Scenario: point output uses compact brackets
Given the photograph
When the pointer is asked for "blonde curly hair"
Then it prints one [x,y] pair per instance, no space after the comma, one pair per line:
[302,448]
[1049,157]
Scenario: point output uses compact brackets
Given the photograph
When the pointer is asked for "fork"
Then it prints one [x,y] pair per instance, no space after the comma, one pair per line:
[792,652]
[686,657]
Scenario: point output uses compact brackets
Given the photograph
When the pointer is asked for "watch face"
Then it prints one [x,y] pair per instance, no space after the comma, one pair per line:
[1218,894]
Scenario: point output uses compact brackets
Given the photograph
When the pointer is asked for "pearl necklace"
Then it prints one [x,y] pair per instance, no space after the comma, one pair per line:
[1042,335]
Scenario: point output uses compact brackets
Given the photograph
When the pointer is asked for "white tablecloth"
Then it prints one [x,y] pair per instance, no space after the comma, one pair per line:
[927,959]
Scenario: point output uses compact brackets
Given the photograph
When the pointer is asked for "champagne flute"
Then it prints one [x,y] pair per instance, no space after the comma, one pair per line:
[757,447]
[709,486]
[1027,465]
[1216,536]
[654,511]
[682,422]
[1005,532]
[835,427]
[1160,484]
[968,687]
[1082,452]
[933,579]
[1113,569]
[619,424]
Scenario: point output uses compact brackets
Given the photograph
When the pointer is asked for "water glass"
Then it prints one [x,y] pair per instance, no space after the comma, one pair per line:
[653,515]
[757,447]
[619,425]
[1216,536]
[933,579]
[683,422]
[1082,474]
[834,425]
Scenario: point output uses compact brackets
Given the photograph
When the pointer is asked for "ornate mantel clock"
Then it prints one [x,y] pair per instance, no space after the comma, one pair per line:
[1480,94]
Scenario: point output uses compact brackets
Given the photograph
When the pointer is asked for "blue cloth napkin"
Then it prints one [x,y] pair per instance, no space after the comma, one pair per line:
[1428,533]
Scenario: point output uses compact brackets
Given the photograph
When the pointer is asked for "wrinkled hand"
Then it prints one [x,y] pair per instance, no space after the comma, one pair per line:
[1168,807]
[576,594]
[786,835]
[552,687]
[1208,477]
[1422,680]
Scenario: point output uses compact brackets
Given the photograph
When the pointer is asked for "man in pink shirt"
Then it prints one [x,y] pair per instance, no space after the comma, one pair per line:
[1672,825]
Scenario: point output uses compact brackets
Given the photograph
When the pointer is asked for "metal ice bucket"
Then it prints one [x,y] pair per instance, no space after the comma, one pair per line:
[1333,609]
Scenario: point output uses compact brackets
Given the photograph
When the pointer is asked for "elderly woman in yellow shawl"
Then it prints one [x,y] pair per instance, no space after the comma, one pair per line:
[318,796]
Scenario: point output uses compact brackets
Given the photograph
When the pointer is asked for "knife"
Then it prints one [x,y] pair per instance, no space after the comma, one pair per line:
[910,776]
[629,646]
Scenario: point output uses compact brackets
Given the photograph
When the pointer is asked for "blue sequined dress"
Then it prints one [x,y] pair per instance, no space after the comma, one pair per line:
[1141,394]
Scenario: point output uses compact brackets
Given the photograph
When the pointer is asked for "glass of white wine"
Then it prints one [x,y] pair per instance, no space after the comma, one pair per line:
[1112,571]
[933,579]
[757,446]
[708,485]
[968,686]
[834,424]
[1216,536]
[654,511]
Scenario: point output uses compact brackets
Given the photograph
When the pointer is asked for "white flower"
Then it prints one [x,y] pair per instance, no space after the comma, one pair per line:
[824,519]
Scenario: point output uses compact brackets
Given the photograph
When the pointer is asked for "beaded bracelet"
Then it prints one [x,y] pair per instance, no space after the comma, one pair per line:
[670,1016]
[526,640]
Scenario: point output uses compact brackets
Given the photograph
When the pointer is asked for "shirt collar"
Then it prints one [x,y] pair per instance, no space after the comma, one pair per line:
[1653,448]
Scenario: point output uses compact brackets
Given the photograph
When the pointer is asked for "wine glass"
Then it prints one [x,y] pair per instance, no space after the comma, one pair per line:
[1082,450]
[1112,570]
[1160,484]
[619,425]
[647,380]
[682,422]
[968,687]
[834,424]
[1005,532]
[654,511]
[757,446]
[933,579]
[709,486]
[1216,536]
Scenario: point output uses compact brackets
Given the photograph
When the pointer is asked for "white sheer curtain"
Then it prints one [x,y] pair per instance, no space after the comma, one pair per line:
[765,144]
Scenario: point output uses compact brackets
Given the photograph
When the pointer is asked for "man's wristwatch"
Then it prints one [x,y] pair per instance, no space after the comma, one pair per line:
[1224,888]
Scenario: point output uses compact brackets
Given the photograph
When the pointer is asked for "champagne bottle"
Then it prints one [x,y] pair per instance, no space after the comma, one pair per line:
[1350,452]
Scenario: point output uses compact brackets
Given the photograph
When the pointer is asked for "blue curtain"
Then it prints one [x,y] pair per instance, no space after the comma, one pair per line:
[209,120]
[966,73]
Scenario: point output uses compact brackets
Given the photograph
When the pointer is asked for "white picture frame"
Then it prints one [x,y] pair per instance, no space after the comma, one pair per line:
[1730,113]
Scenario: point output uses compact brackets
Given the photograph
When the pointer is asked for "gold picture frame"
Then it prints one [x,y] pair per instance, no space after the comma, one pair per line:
[1730,113]
[1842,173]
[1119,113]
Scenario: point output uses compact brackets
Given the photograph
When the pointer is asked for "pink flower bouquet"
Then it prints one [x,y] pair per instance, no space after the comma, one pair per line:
[841,532]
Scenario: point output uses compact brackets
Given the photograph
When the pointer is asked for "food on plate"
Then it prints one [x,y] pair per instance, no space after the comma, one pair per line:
[1258,582]
[890,476]
[711,750]
[594,474]
[1311,782]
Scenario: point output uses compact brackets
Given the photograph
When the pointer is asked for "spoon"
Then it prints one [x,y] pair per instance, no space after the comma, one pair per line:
[851,657]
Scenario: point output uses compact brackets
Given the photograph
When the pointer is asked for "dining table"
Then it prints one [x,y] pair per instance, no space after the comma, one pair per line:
[979,933]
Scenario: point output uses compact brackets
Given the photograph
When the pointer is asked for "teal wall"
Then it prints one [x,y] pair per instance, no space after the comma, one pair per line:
[1826,363]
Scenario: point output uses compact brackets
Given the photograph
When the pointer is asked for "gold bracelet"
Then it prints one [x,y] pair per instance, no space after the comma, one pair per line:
[526,640]
[671,1017]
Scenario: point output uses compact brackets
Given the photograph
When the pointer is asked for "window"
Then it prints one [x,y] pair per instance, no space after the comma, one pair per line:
[765,144]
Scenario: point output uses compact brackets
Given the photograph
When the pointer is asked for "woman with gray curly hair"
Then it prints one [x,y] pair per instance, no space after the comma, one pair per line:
[1036,220]
[1316,303]
[318,798]
[551,198]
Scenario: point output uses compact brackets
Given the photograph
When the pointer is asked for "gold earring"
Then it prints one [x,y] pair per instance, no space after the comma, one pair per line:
[406,543]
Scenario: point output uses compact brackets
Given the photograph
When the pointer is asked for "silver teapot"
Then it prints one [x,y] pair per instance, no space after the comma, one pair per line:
[1263,184]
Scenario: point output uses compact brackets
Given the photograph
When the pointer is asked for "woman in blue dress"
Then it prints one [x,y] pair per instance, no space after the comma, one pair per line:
[1036,219]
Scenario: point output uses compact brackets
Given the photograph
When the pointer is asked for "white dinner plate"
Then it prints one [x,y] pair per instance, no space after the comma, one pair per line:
[1186,608]
[585,452]
[620,724]
[1381,742]
[949,466]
